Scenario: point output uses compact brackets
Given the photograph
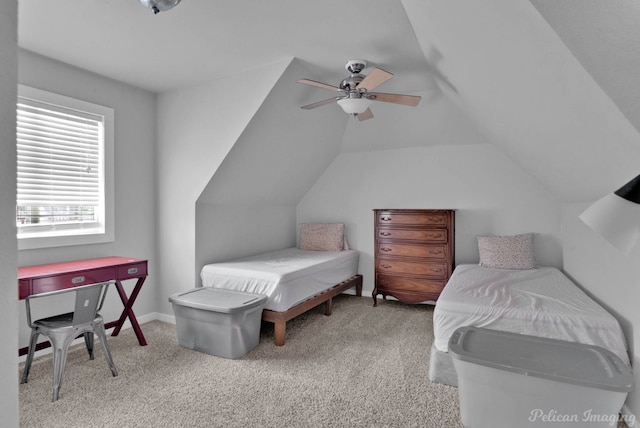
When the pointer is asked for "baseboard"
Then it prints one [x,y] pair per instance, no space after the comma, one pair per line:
[171,319]
[153,316]
[127,325]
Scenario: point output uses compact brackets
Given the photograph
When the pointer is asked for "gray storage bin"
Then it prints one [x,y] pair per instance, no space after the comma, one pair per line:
[513,380]
[220,322]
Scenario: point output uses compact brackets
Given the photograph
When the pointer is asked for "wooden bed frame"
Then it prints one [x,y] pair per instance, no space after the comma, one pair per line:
[279,319]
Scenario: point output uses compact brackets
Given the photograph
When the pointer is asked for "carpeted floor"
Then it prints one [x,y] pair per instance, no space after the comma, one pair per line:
[360,367]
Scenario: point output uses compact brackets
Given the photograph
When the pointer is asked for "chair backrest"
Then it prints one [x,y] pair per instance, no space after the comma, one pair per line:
[89,301]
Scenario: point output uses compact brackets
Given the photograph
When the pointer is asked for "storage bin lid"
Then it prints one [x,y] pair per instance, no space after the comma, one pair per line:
[567,362]
[218,299]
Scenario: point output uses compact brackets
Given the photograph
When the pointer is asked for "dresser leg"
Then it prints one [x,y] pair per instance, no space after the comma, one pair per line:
[374,295]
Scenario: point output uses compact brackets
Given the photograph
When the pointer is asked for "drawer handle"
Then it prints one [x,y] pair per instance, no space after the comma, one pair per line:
[132,270]
[77,279]
[385,233]
[435,252]
[385,249]
[435,270]
[386,266]
[434,236]
[385,218]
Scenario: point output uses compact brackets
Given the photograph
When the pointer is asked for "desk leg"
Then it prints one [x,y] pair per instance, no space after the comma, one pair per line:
[128,311]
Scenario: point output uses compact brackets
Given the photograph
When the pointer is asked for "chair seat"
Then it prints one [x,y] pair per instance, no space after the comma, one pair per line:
[60,321]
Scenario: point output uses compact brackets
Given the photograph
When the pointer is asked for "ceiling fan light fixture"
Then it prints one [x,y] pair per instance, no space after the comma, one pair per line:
[354,105]
[159,5]
[356,95]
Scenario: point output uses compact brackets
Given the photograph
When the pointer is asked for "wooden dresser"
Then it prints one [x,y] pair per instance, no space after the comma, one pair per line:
[414,253]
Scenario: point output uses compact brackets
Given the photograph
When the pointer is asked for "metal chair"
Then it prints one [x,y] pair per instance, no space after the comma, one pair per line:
[63,329]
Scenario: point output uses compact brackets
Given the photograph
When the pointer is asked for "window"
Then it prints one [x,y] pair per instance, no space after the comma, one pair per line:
[65,162]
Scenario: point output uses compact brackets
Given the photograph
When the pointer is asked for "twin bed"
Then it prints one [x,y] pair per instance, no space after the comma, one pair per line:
[510,293]
[506,291]
[293,279]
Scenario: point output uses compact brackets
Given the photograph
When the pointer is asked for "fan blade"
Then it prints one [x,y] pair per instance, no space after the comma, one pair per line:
[320,103]
[408,100]
[367,114]
[319,84]
[374,79]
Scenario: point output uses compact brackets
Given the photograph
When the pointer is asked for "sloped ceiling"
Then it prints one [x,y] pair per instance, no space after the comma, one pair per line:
[605,37]
[552,83]
[276,146]
[512,74]
[436,121]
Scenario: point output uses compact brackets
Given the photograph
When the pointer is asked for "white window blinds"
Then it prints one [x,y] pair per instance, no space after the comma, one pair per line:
[60,181]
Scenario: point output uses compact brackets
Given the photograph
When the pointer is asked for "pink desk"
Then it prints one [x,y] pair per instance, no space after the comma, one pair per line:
[58,276]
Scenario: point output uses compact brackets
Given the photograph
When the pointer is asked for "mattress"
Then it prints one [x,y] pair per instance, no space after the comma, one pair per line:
[287,277]
[540,302]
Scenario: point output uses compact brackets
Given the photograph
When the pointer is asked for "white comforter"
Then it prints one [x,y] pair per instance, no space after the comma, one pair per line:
[287,277]
[539,302]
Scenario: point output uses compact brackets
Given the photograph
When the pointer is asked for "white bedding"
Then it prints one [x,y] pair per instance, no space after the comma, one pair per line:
[539,302]
[287,277]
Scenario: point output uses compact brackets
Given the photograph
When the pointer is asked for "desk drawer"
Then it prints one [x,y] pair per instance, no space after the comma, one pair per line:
[23,288]
[132,271]
[59,282]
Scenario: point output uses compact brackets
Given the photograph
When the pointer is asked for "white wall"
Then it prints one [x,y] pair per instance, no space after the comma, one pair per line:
[197,127]
[8,249]
[234,161]
[134,175]
[490,193]
[609,276]
[229,231]
[249,205]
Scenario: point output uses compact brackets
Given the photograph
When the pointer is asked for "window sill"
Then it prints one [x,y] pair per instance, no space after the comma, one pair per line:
[32,243]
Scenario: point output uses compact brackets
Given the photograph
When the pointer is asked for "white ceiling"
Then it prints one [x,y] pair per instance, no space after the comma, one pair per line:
[507,85]
[201,40]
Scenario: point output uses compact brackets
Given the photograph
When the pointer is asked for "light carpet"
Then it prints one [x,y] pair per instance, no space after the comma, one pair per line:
[363,366]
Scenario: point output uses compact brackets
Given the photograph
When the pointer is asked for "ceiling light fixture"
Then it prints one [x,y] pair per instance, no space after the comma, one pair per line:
[159,5]
[616,217]
[355,105]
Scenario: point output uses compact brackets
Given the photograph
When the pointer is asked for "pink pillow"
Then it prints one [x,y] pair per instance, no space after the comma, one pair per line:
[322,236]
[507,252]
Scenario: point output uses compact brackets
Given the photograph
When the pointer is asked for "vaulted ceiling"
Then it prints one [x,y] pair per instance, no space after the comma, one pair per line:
[553,83]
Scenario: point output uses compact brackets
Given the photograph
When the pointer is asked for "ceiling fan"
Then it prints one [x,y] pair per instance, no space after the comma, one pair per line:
[355,96]
[158,6]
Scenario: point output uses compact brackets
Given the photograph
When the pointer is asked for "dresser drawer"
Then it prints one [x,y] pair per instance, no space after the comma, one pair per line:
[423,251]
[427,269]
[132,271]
[57,282]
[417,219]
[417,285]
[424,235]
